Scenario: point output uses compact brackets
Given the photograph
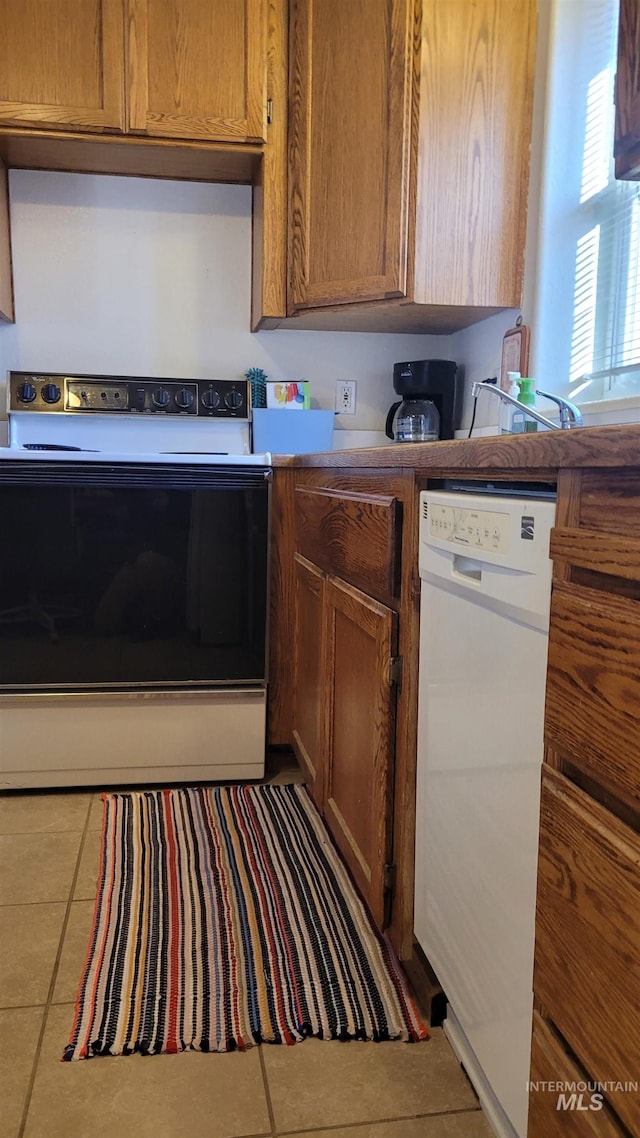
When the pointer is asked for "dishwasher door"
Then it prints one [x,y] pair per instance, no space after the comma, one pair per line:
[485,598]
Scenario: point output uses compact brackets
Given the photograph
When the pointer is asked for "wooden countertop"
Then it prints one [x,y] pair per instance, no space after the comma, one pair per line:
[543,452]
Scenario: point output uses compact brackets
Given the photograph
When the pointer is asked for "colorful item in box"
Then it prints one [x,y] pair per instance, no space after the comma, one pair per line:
[289,396]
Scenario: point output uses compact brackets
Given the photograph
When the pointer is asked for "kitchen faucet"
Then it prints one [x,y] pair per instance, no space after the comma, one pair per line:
[570,416]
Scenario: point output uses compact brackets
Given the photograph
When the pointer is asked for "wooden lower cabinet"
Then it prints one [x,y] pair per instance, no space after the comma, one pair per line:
[309,697]
[587,958]
[344,651]
[360,636]
[344,720]
[563,1113]
[587,961]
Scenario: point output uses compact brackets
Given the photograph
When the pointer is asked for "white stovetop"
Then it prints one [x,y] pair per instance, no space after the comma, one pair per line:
[132,438]
[198,459]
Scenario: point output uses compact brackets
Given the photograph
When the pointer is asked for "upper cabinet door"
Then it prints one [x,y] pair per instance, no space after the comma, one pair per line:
[476,99]
[197,69]
[349,131]
[627,129]
[61,64]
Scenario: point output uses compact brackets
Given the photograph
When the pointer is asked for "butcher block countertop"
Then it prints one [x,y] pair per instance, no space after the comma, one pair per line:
[541,452]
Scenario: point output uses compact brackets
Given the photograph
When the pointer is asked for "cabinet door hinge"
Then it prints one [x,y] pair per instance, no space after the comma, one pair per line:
[389,890]
[269,110]
[395,671]
[389,878]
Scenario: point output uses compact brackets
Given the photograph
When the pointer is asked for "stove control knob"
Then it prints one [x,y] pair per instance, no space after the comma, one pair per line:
[26,393]
[184,398]
[210,399]
[50,393]
[233,399]
[161,398]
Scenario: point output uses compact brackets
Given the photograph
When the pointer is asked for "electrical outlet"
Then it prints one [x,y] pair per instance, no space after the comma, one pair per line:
[346,396]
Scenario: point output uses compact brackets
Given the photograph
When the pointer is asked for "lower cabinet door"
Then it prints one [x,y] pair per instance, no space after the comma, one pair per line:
[587,959]
[359,734]
[309,674]
[557,1107]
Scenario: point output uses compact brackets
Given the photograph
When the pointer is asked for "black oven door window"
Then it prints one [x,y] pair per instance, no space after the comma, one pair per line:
[131,576]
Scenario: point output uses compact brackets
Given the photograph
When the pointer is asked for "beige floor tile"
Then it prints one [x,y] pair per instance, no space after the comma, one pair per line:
[87,880]
[97,809]
[43,813]
[37,867]
[284,777]
[164,1096]
[29,939]
[466,1124]
[74,952]
[321,1083]
[281,767]
[19,1031]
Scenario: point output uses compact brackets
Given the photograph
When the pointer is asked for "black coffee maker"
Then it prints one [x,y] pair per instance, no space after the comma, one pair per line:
[431,403]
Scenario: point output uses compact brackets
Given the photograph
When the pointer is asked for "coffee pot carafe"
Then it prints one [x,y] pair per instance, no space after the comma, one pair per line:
[413,421]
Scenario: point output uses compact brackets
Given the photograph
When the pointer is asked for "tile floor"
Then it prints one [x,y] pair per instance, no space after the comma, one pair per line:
[48,867]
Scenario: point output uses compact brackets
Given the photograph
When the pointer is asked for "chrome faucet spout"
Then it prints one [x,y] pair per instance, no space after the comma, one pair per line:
[478,387]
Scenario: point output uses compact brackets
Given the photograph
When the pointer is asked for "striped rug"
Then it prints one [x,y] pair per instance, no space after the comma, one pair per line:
[224,918]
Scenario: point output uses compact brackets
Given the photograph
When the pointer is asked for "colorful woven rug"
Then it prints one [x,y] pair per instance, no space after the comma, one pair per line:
[224,918]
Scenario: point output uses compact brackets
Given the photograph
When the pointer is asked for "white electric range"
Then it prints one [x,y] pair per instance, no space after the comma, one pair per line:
[133,582]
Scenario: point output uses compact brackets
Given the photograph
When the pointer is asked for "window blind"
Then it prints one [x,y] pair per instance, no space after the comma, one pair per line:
[589,266]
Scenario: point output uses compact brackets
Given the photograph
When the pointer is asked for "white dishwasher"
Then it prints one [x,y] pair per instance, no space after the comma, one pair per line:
[485,598]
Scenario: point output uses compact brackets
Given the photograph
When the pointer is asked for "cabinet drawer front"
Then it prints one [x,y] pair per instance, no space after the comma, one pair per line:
[550,1112]
[587,961]
[593,687]
[610,501]
[354,536]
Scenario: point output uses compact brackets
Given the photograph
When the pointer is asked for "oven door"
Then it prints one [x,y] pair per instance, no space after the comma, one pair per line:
[126,576]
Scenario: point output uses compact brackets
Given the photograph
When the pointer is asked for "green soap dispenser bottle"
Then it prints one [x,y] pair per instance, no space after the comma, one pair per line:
[527,397]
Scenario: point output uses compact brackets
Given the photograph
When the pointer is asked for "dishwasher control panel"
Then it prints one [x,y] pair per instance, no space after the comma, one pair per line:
[486,540]
[469,527]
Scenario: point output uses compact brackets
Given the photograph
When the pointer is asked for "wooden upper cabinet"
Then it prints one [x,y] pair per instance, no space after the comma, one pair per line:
[627,127]
[349,112]
[476,100]
[6,275]
[197,69]
[409,139]
[62,64]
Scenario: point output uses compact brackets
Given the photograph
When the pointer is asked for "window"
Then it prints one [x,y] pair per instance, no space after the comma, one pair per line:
[587,323]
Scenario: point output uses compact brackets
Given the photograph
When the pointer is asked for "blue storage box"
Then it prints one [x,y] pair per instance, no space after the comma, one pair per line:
[286,432]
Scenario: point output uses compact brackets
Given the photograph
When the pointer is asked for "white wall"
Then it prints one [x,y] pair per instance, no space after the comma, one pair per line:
[478,352]
[148,277]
